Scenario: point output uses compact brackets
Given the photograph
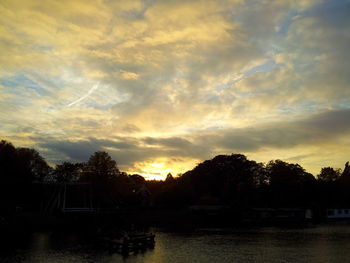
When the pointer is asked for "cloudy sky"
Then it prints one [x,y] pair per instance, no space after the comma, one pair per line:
[164,85]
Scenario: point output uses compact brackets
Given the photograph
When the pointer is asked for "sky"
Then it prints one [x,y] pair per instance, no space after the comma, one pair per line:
[164,85]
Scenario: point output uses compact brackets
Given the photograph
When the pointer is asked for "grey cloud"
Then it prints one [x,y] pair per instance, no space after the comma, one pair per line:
[320,128]
[77,151]
[317,129]
[125,150]
[333,13]
[122,143]
[174,142]
[329,122]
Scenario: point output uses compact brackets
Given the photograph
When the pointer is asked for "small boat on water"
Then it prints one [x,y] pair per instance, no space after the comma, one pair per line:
[130,242]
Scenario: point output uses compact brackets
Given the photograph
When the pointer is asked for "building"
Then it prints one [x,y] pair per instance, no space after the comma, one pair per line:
[338,213]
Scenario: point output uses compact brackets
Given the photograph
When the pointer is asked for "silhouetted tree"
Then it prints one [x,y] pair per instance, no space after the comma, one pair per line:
[33,166]
[68,172]
[137,179]
[346,171]
[19,168]
[228,178]
[21,165]
[289,183]
[102,172]
[169,178]
[101,167]
[343,187]
[329,174]
[8,162]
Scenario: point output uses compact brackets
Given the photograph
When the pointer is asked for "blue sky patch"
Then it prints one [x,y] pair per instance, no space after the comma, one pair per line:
[20,80]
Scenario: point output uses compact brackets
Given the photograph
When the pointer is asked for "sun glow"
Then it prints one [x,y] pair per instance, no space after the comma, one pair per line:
[157,169]
[153,171]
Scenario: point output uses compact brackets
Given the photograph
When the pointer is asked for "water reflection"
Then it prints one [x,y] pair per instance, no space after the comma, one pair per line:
[329,243]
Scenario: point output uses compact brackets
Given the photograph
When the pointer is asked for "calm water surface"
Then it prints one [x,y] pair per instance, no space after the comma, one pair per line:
[326,243]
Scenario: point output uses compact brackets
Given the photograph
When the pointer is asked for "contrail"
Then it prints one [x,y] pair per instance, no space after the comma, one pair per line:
[85,96]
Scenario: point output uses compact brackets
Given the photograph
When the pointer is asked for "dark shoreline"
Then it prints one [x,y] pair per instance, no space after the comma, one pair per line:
[177,219]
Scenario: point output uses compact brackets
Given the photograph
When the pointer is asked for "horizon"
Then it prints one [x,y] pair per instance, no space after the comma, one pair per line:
[163,86]
[161,177]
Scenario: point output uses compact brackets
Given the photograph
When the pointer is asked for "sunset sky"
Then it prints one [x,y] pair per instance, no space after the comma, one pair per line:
[164,85]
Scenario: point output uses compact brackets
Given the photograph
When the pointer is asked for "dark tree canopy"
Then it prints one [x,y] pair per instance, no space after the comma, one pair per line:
[8,161]
[19,168]
[169,178]
[32,164]
[102,173]
[22,165]
[137,179]
[289,184]
[346,171]
[329,174]
[225,177]
[101,166]
[281,173]
[68,172]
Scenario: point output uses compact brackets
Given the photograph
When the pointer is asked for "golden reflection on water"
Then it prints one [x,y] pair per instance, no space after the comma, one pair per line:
[321,244]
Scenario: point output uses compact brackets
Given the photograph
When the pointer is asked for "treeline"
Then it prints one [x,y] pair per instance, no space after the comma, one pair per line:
[26,178]
[230,180]
[235,181]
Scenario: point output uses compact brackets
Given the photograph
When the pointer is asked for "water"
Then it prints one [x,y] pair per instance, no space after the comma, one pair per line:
[325,243]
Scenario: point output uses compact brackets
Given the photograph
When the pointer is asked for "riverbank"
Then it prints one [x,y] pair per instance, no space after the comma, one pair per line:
[152,217]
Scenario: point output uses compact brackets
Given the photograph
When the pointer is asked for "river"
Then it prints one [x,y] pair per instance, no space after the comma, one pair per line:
[322,243]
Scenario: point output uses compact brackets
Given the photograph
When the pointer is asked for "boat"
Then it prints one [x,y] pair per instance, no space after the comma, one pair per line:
[131,242]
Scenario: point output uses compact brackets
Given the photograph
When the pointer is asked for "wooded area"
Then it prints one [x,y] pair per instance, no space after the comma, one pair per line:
[230,180]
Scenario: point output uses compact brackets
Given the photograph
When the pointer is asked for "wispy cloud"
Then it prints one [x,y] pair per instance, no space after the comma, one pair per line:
[95,87]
